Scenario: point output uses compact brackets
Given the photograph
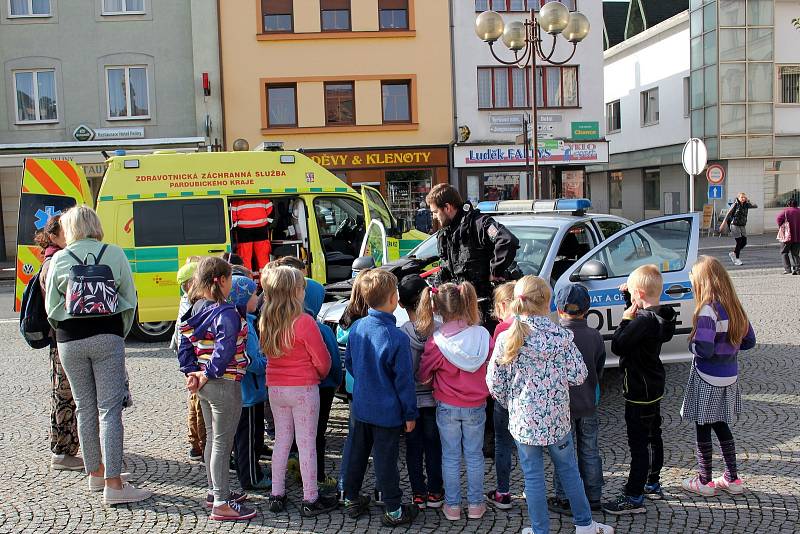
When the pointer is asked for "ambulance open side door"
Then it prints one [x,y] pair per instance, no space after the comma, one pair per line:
[375,208]
[49,187]
[670,242]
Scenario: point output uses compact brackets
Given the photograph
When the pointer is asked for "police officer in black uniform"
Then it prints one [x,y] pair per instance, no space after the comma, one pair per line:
[477,249]
[473,247]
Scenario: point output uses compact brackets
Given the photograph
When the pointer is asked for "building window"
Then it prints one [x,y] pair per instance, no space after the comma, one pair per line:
[613,120]
[277,16]
[335,15]
[123,7]
[127,90]
[509,87]
[790,84]
[30,8]
[557,87]
[652,189]
[340,103]
[686,97]
[393,14]
[518,5]
[36,96]
[396,101]
[281,105]
[615,190]
[650,106]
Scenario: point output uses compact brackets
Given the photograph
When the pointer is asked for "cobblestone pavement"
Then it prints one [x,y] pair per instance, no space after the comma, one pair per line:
[34,499]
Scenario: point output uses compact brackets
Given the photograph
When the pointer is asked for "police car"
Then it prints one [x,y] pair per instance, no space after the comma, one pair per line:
[562,243]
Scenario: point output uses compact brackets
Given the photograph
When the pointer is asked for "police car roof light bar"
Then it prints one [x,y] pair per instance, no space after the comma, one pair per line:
[576,206]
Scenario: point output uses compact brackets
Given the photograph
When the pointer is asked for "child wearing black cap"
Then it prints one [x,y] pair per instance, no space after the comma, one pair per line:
[423,445]
[573,303]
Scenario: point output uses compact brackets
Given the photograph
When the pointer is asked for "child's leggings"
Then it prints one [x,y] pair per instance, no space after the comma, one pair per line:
[295,410]
[705,450]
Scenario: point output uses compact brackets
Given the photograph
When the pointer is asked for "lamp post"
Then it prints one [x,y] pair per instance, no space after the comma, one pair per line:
[525,40]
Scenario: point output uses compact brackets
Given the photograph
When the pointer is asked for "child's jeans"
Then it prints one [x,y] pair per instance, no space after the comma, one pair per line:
[221,401]
[643,423]
[296,410]
[590,464]
[384,442]
[248,444]
[423,446]
[562,455]
[461,431]
[195,425]
[503,448]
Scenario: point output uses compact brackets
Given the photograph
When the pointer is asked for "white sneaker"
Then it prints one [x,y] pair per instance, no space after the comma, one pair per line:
[734,488]
[99,483]
[127,494]
[594,528]
[693,485]
[737,261]
[732,256]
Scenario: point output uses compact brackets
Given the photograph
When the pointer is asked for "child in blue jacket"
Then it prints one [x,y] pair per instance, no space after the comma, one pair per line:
[249,440]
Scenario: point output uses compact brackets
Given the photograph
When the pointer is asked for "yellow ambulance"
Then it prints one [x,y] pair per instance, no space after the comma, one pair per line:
[163,207]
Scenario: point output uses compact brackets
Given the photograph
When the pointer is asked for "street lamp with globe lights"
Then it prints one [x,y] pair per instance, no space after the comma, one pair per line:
[526,41]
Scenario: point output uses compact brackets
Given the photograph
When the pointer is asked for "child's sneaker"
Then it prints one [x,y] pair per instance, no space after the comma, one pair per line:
[124,495]
[235,496]
[320,506]
[452,513]
[239,512]
[625,505]
[277,503]
[99,483]
[693,485]
[420,500]
[735,487]
[654,492]
[558,505]
[403,516]
[435,500]
[476,511]
[594,528]
[501,501]
[732,256]
[357,508]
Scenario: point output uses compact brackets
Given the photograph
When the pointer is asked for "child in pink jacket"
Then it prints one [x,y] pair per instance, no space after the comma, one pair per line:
[455,359]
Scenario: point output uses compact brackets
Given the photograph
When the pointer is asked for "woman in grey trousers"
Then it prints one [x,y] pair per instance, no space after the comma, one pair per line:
[92,350]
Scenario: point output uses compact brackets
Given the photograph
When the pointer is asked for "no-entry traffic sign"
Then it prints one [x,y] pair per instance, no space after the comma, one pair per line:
[715,174]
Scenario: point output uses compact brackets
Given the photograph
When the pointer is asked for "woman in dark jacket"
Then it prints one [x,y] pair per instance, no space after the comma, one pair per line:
[736,218]
[791,248]
[63,423]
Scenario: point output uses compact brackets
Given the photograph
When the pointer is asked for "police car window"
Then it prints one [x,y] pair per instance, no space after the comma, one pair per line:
[35,210]
[427,249]
[534,243]
[332,211]
[665,244]
[610,228]
[179,222]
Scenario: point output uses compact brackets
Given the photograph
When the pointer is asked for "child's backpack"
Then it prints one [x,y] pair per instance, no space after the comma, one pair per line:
[33,323]
[91,289]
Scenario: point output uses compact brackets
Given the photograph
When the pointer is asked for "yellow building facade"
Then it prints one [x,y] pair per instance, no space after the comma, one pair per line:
[363,86]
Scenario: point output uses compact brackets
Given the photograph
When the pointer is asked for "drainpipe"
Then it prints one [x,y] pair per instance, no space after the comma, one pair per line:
[221,85]
[453,171]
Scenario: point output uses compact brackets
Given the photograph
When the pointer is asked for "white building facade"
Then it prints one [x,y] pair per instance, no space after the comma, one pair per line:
[491,100]
[646,95]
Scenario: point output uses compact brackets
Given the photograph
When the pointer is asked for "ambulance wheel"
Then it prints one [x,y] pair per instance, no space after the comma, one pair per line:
[153,332]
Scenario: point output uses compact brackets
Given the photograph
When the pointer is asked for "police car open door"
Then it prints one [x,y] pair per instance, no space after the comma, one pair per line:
[671,243]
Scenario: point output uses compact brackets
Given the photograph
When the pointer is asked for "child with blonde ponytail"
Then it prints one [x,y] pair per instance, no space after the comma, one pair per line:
[454,359]
[533,365]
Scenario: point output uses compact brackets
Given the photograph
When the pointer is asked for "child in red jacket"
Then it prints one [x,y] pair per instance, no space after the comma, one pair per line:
[455,359]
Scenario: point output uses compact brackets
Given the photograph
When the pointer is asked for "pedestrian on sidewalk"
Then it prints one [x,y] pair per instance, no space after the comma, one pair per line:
[736,219]
[713,397]
[791,237]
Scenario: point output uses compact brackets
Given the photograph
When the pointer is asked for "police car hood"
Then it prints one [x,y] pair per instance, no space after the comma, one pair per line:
[467,349]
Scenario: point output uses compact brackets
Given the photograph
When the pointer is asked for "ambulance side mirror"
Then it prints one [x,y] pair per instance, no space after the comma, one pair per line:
[591,270]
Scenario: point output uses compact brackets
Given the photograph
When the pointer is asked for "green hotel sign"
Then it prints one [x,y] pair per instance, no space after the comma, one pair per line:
[582,131]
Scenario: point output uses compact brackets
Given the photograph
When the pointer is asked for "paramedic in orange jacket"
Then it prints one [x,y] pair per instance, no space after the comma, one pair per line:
[251,218]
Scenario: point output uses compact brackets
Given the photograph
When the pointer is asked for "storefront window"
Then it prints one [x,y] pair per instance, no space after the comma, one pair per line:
[407,190]
[501,186]
[572,184]
[652,189]
[781,182]
[615,190]
[473,189]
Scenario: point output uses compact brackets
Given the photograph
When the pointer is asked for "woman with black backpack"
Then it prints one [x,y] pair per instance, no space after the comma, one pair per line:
[91,303]
[63,423]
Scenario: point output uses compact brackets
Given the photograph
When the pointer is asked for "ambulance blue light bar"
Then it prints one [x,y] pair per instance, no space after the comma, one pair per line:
[576,206]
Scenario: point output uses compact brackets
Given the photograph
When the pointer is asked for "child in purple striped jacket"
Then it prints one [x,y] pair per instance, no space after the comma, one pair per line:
[713,398]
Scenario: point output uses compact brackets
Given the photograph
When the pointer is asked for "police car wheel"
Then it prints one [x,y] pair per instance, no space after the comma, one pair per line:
[153,332]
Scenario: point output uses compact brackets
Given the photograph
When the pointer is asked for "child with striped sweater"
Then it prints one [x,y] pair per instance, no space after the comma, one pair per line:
[713,399]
